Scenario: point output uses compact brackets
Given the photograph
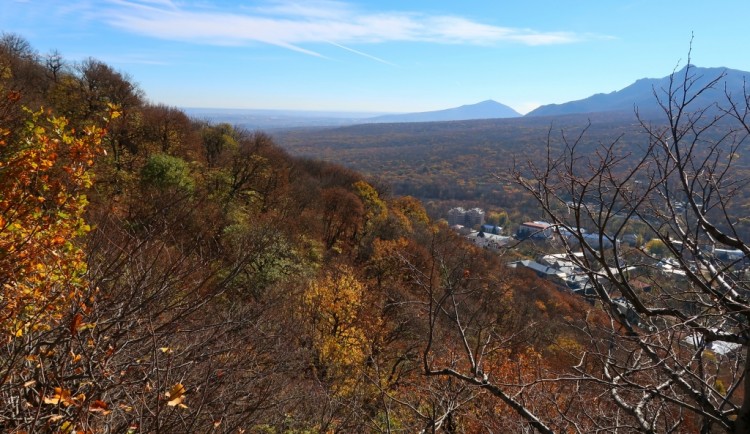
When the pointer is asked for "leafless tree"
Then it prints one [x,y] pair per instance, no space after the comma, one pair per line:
[155,345]
[675,354]
[477,341]
[55,64]
[666,341]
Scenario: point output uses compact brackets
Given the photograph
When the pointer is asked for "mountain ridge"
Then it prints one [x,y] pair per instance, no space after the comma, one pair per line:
[487,109]
[641,93]
[637,96]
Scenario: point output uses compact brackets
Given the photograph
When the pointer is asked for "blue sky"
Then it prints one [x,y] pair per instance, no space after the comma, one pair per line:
[384,56]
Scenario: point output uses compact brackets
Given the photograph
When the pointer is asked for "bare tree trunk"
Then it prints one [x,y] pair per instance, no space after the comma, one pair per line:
[742,424]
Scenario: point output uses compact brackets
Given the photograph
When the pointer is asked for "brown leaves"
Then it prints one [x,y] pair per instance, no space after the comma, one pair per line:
[176,396]
[13,96]
[64,397]
[75,324]
[99,407]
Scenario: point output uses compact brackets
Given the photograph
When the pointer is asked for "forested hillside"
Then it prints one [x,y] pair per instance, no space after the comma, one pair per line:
[469,163]
[161,274]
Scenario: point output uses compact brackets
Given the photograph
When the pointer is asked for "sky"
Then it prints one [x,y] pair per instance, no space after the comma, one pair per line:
[384,55]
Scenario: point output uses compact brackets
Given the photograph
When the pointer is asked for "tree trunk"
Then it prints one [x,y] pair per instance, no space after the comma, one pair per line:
[742,424]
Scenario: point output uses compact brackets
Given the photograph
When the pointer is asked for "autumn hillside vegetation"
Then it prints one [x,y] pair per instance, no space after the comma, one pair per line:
[164,274]
[161,274]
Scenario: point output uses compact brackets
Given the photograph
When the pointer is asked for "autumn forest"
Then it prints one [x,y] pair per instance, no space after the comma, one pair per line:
[163,274]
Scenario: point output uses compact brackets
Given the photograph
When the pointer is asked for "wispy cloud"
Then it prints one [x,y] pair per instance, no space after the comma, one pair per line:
[297,25]
[363,54]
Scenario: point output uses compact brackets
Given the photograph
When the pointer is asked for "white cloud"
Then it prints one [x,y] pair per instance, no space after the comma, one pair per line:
[294,24]
[308,9]
[363,54]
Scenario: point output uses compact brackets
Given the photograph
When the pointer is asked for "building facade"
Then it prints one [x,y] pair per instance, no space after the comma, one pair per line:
[470,218]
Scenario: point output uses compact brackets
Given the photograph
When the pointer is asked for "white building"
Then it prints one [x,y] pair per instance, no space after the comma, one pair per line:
[535,230]
[471,218]
[457,216]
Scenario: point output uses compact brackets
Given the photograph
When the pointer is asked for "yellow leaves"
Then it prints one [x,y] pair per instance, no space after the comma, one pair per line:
[66,427]
[64,397]
[44,173]
[114,111]
[75,358]
[720,386]
[176,396]
[408,212]
[335,302]
[376,208]
[540,305]
[569,345]
[337,298]
[385,260]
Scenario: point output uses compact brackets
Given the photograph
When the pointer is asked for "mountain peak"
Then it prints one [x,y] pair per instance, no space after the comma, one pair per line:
[487,109]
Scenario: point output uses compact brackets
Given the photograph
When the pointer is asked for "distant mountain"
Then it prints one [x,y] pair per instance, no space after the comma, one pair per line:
[484,110]
[641,93]
[284,119]
[253,119]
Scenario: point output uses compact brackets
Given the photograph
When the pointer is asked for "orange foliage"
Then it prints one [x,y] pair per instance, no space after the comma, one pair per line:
[44,169]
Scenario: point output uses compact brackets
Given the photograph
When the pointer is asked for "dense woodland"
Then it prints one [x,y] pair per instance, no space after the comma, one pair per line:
[164,274]
[470,163]
[459,161]
[161,274]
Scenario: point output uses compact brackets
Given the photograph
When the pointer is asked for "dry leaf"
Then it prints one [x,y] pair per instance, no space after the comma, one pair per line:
[176,395]
[75,357]
[75,323]
[61,396]
[99,407]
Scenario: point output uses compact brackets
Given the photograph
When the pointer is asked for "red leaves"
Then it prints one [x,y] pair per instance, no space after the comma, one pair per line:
[75,324]
[13,96]
[99,407]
